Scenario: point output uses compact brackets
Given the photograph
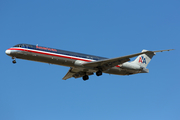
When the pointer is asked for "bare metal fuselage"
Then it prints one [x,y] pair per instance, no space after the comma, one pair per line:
[52,58]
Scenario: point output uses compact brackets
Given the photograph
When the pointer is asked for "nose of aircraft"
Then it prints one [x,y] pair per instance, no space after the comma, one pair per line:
[8,52]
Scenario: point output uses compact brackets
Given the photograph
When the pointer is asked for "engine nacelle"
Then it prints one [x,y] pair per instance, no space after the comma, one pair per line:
[132,66]
[79,63]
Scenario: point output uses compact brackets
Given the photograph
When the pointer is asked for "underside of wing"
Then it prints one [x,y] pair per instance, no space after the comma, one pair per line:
[68,75]
[77,73]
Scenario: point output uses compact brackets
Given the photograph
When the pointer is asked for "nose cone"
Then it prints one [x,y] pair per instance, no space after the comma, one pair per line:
[8,52]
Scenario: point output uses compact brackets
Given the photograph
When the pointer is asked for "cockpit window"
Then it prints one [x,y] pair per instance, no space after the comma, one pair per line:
[16,46]
[19,45]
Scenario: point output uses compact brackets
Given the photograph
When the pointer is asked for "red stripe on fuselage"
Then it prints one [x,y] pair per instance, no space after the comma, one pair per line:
[51,54]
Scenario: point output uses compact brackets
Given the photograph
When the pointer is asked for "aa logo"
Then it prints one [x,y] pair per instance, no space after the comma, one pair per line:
[142,60]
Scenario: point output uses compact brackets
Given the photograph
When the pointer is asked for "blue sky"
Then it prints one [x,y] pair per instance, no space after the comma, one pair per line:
[109,28]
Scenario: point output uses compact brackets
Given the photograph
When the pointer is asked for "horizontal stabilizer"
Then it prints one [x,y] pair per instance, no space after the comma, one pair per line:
[162,50]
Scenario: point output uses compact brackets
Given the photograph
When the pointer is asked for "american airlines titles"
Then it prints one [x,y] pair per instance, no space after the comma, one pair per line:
[45,48]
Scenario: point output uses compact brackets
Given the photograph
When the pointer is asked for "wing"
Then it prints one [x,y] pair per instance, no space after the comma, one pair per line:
[90,67]
[77,72]
[109,63]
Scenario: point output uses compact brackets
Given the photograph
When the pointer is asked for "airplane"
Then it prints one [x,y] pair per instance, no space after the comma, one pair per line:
[83,65]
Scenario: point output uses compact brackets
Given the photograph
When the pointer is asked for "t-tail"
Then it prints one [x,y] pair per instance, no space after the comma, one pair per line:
[141,62]
[144,59]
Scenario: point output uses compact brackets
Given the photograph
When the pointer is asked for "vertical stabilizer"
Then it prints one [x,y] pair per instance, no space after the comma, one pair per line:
[144,59]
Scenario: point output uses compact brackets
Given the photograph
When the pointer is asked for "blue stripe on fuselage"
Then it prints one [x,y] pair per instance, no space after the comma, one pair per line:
[57,51]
